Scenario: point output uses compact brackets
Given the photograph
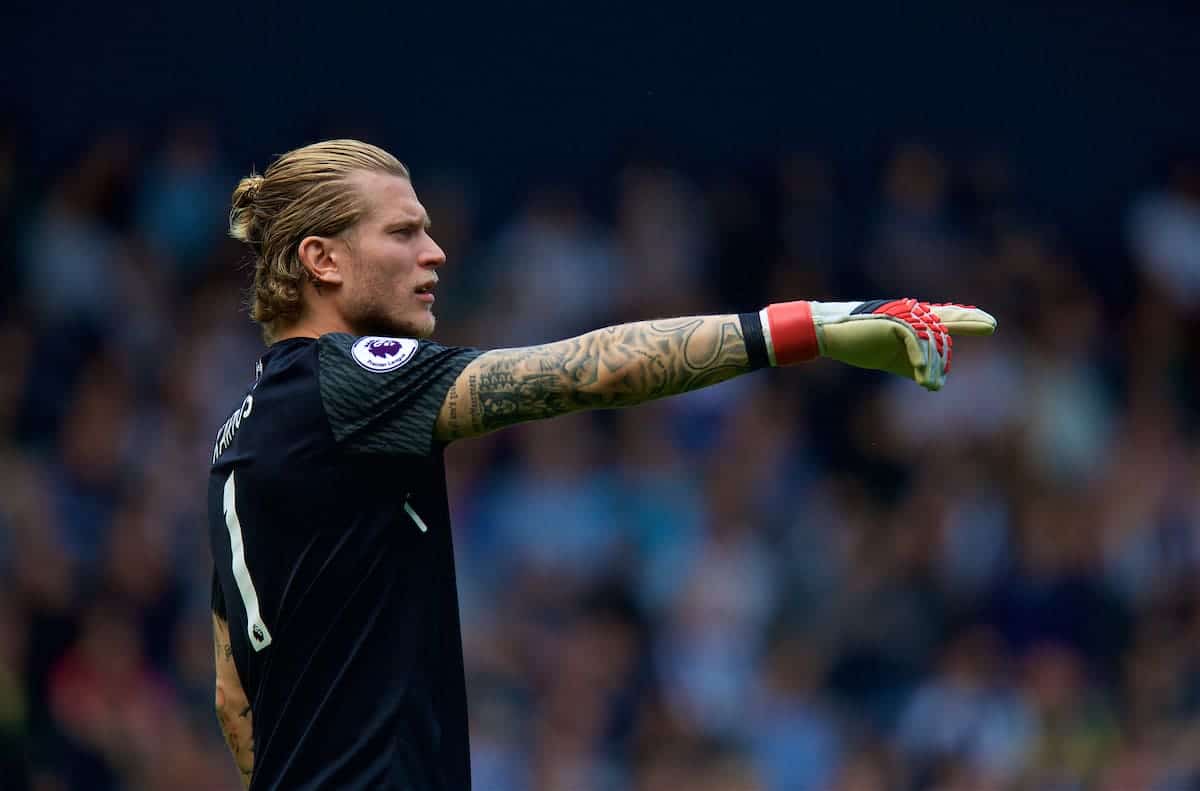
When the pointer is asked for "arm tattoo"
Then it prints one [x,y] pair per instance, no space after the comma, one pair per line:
[240,745]
[233,710]
[613,367]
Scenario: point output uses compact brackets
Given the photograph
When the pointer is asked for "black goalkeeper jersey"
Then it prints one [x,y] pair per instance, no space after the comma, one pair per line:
[334,567]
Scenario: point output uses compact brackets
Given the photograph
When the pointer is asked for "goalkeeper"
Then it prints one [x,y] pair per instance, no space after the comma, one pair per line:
[338,646]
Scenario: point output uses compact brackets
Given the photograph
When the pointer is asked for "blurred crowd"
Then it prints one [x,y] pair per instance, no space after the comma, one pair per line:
[815,579]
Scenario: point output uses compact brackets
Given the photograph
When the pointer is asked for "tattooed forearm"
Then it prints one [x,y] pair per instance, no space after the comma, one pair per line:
[613,367]
[233,709]
[239,741]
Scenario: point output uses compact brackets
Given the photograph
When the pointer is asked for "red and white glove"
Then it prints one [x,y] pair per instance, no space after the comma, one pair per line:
[905,337]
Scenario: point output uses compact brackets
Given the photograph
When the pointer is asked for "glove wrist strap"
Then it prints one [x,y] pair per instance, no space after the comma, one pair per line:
[756,343]
[789,332]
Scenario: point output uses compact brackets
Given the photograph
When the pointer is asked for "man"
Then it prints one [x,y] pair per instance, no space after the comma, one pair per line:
[339,655]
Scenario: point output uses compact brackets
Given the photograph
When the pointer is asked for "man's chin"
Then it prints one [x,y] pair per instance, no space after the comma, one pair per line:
[391,328]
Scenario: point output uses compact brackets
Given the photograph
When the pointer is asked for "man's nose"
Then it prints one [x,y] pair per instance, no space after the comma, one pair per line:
[433,255]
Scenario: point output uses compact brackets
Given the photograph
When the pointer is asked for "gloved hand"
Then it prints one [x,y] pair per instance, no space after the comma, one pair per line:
[901,336]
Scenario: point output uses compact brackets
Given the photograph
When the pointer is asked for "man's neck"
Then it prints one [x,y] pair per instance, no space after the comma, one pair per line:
[312,327]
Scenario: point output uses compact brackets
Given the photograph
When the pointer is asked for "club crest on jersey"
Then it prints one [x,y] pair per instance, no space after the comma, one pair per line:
[382,354]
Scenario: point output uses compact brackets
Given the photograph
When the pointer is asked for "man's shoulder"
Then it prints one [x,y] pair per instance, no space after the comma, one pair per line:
[282,397]
[370,353]
[288,365]
[383,393]
[363,377]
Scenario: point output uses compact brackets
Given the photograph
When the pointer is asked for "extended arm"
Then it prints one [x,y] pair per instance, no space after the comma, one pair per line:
[233,709]
[631,363]
[612,367]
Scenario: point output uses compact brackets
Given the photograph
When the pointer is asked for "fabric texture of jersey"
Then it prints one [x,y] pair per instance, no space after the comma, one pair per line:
[334,567]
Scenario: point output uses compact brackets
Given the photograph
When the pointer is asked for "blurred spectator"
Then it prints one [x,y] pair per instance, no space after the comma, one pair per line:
[711,636]
[868,770]
[1076,730]
[73,251]
[661,501]
[890,614]
[808,224]
[1070,409]
[793,731]
[498,749]
[705,766]
[135,567]
[183,201]
[975,549]
[1053,593]
[551,272]
[915,247]
[552,511]
[89,478]
[966,713]
[663,245]
[744,232]
[113,709]
[586,712]
[1164,232]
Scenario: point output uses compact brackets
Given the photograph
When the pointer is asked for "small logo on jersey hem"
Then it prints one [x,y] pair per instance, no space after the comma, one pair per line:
[381,354]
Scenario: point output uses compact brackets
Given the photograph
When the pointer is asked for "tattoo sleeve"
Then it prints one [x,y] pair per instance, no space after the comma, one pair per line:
[233,709]
[613,367]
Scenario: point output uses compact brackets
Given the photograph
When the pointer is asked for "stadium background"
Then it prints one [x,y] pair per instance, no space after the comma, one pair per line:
[800,580]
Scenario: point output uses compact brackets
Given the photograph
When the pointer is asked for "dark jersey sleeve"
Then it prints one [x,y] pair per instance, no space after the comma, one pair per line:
[383,395]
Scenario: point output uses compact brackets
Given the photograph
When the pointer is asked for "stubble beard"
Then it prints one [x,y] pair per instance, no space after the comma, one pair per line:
[371,313]
[376,320]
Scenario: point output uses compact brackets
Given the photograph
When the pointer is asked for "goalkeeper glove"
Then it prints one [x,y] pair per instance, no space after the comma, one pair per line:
[901,336]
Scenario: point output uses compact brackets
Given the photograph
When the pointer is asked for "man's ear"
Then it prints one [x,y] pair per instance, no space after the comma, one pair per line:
[321,257]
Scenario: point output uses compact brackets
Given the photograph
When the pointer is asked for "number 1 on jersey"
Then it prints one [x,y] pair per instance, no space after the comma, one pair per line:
[260,638]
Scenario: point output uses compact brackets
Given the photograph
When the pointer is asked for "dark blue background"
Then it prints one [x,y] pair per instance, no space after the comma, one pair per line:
[1086,101]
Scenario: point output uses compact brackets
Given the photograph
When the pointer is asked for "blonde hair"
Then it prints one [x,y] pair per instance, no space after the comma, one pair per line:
[305,192]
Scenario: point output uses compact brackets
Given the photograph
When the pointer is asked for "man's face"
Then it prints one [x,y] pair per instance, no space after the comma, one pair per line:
[392,262]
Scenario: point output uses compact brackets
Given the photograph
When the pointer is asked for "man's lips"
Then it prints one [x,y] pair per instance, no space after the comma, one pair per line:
[425,290]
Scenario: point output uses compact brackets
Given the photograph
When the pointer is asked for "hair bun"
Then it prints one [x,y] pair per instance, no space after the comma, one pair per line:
[254,183]
[242,213]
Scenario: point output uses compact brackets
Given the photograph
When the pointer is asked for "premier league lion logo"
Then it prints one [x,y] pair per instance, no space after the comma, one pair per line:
[385,349]
[382,354]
